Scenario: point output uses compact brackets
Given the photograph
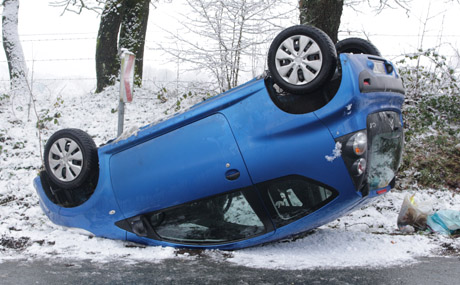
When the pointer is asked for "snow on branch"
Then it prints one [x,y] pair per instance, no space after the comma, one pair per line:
[222,37]
[77,6]
[380,5]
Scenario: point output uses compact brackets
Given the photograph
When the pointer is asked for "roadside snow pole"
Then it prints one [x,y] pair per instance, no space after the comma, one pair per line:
[126,85]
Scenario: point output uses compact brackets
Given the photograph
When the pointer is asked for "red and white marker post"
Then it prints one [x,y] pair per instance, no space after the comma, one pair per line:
[126,85]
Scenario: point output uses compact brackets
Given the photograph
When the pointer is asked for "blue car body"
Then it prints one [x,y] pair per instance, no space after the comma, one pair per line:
[239,142]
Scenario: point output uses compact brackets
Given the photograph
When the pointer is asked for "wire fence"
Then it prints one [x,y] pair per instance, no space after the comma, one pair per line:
[45,38]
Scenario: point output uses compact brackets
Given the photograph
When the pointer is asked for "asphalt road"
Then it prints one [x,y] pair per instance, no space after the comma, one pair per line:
[204,271]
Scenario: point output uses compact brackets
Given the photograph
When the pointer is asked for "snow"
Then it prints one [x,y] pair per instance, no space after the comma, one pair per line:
[348,107]
[366,237]
[328,248]
[336,152]
[132,131]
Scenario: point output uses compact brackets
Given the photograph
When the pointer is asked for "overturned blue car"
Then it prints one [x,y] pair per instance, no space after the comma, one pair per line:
[316,136]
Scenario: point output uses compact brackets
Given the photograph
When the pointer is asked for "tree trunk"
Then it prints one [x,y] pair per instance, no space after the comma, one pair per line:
[323,14]
[107,60]
[132,33]
[125,20]
[12,46]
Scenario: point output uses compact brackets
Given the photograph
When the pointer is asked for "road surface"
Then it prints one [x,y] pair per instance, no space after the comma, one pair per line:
[206,271]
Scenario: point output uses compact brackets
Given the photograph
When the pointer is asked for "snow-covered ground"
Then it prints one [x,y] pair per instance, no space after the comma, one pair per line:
[366,237]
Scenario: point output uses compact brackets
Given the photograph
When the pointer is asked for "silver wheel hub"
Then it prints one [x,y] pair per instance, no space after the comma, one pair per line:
[65,159]
[298,60]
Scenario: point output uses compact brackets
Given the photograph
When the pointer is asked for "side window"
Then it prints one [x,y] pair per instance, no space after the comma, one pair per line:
[293,197]
[222,218]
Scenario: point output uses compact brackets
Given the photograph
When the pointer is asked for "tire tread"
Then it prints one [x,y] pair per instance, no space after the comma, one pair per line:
[357,45]
[88,147]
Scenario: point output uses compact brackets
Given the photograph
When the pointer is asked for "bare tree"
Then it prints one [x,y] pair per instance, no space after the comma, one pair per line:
[20,87]
[218,34]
[123,25]
[323,14]
[133,31]
[13,48]
[326,14]
[107,62]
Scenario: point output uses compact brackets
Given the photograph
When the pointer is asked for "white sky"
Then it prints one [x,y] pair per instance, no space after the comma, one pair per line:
[50,39]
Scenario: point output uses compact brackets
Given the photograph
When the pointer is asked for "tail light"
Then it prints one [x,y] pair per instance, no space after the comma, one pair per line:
[354,154]
[359,167]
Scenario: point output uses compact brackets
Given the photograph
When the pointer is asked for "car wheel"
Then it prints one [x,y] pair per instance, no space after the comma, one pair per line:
[356,46]
[301,59]
[70,158]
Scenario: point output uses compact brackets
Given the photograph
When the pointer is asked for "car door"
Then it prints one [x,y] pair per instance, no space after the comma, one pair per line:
[275,143]
[195,161]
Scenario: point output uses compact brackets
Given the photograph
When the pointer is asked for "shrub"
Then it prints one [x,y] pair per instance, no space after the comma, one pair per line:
[432,121]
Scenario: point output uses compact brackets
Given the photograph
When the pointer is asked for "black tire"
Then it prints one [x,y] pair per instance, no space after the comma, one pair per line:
[356,46]
[71,158]
[309,70]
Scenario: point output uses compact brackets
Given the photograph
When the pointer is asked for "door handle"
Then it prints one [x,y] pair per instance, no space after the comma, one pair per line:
[232,174]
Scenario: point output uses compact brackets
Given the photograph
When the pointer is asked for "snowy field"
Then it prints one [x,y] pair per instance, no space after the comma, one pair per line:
[59,50]
[367,237]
